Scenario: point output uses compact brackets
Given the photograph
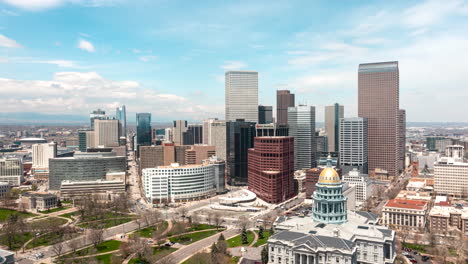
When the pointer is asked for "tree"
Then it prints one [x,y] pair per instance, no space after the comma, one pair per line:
[59,203]
[244,237]
[34,187]
[217,220]
[264,255]
[222,245]
[260,232]
[10,230]
[57,248]
[96,236]
[74,244]
[214,253]
[125,249]
[182,211]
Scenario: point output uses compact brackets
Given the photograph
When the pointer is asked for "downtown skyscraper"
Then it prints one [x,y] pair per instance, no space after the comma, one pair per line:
[241,88]
[143,127]
[301,121]
[284,99]
[121,115]
[378,101]
[333,113]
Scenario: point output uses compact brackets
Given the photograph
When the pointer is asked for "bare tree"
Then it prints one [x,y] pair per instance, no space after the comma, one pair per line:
[217,219]
[243,222]
[166,260]
[57,248]
[74,244]
[209,217]
[182,211]
[96,236]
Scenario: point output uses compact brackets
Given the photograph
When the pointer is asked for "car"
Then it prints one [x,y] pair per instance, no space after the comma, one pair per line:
[425,258]
[413,261]
[405,253]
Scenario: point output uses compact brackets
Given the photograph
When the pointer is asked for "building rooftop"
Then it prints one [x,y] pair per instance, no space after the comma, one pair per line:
[359,223]
[406,204]
[379,66]
[38,194]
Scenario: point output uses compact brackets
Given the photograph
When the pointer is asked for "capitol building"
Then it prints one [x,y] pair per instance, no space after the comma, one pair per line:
[331,234]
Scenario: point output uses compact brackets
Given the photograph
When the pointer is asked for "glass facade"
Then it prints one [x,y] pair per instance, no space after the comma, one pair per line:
[239,138]
[143,136]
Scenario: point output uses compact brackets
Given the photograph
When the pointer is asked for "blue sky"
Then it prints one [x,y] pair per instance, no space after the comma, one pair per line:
[169,57]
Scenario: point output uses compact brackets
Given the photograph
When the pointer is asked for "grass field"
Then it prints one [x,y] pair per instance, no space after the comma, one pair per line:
[193,237]
[18,242]
[415,247]
[109,220]
[5,213]
[106,246]
[49,221]
[148,231]
[237,240]
[260,241]
[159,252]
[57,209]
[48,239]
[199,227]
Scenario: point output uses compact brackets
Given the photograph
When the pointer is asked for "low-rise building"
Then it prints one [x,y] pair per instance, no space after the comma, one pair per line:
[412,195]
[176,183]
[71,189]
[362,184]
[443,219]
[11,170]
[4,188]
[405,214]
[451,177]
[39,201]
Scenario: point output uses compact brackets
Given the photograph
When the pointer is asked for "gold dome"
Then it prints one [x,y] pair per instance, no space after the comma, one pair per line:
[329,175]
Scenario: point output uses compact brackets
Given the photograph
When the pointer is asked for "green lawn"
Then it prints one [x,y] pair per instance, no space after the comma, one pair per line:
[50,221]
[106,223]
[237,240]
[106,246]
[266,235]
[190,238]
[57,209]
[205,258]
[199,227]
[68,215]
[148,231]
[159,252]
[48,239]
[415,247]
[5,213]
[18,242]
[104,259]
[234,260]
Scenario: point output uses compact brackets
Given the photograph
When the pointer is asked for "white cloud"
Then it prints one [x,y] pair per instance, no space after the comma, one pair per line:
[60,63]
[9,12]
[233,65]
[8,42]
[34,5]
[86,45]
[79,92]
[148,58]
[39,5]
[430,12]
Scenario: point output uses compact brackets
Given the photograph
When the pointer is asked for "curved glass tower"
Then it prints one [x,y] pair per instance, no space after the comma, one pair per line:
[329,202]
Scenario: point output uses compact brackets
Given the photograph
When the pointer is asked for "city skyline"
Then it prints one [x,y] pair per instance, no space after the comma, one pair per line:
[83,63]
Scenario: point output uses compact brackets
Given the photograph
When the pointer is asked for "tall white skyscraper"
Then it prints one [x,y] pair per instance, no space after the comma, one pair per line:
[121,115]
[207,130]
[353,144]
[241,95]
[178,129]
[106,133]
[301,121]
[41,153]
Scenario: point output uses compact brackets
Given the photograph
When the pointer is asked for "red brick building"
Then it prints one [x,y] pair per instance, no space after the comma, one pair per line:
[271,168]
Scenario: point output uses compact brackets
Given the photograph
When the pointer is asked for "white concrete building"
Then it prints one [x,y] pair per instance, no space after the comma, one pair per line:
[11,171]
[41,153]
[405,214]
[353,144]
[207,130]
[302,127]
[451,177]
[175,183]
[328,238]
[362,183]
[4,188]
[457,152]
[218,138]
[107,133]
[241,95]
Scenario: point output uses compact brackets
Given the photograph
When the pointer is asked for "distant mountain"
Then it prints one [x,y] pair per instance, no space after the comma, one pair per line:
[39,118]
